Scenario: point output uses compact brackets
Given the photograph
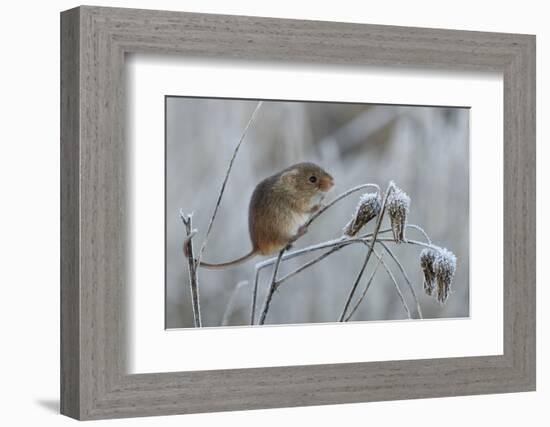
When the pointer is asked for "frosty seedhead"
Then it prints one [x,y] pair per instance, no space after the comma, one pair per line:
[398,204]
[368,208]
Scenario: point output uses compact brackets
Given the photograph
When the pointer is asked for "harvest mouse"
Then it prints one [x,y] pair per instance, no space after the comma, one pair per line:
[280,206]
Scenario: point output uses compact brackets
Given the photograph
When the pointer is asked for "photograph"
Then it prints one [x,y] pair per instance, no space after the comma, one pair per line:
[281,212]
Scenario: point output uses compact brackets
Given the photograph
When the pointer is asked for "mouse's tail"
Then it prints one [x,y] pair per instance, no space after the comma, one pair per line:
[237,261]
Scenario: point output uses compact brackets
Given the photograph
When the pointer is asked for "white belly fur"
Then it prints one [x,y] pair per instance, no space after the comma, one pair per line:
[297,222]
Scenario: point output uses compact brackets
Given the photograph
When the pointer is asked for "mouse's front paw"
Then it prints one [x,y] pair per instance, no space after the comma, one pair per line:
[301,231]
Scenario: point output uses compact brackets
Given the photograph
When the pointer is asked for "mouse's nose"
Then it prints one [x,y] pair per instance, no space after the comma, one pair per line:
[327,183]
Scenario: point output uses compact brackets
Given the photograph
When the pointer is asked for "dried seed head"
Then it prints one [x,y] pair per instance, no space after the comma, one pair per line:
[398,208]
[444,269]
[368,207]
[427,259]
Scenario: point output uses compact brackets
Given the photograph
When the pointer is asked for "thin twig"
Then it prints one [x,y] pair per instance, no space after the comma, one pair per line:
[340,241]
[371,278]
[254,297]
[335,244]
[309,264]
[272,288]
[409,241]
[403,272]
[193,278]
[222,189]
[397,288]
[370,250]
[303,251]
[231,302]
[189,236]
[337,199]
[335,247]
[416,227]
[359,276]
[394,281]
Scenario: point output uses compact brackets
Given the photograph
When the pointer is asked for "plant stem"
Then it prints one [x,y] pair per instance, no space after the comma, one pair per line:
[410,242]
[341,241]
[358,278]
[231,302]
[272,288]
[303,251]
[403,272]
[416,227]
[371,278]
[335,244]
[337,199]
[193,278]
[222,189]
[370,250]
[397,288]
[254,297]
[310,263]
[396,285]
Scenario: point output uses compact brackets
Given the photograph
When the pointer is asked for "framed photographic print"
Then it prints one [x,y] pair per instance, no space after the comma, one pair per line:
[260,217]
[261,213]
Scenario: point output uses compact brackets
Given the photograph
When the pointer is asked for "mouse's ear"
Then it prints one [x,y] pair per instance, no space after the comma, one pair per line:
[289,176]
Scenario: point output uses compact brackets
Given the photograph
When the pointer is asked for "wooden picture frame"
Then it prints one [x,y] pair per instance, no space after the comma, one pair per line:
[94,382]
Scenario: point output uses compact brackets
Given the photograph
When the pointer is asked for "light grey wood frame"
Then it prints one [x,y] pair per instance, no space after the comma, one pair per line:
[94,41]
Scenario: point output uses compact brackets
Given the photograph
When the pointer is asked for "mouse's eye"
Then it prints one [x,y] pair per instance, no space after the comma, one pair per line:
[313,179]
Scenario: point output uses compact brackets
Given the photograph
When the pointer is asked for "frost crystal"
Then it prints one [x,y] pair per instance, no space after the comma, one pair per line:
[444,268]
[439,267]
[398,208]
[427,259]
[368,207]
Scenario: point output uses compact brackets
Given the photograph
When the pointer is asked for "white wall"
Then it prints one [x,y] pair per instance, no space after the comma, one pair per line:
[29,179]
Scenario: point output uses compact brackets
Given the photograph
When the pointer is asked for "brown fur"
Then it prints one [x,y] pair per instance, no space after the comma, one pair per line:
[279,205]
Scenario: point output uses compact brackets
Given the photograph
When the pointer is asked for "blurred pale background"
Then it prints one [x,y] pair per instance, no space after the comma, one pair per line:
[425,150]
